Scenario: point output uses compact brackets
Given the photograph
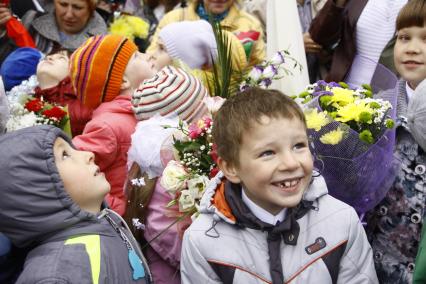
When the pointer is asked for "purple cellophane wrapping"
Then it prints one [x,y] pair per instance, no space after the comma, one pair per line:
[355,172]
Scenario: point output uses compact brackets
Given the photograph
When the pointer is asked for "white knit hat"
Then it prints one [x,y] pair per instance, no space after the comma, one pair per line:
[416,114]
[192,42]
[171,90]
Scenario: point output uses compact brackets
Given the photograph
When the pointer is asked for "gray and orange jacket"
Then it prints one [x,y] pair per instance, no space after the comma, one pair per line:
[69,245]
[330,245]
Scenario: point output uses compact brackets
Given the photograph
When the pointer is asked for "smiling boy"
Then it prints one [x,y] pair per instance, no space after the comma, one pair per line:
[270,220]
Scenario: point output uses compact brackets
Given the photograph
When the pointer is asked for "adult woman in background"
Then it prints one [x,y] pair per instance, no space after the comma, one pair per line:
[246,27]
[66,26]
[361,32]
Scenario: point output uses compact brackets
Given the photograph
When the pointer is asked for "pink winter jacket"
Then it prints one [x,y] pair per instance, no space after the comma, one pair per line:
[107,135]
[163,254]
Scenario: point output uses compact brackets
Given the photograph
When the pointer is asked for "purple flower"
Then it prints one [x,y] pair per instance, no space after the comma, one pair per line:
[270,72]
[266,82]
[256,73]
[278,58]
[333,84]
[321,92]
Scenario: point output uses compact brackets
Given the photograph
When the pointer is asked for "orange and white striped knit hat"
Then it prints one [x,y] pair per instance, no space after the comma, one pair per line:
[97,68]
[171,90]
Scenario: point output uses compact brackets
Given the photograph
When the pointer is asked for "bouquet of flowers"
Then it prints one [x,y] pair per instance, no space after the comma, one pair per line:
[354,108]
[29,111]
[186,177]
[352,139]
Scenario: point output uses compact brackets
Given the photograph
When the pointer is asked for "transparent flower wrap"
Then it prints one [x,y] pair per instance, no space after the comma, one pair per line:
[358,173]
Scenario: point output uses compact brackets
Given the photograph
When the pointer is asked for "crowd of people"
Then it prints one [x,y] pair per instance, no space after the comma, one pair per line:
[122,160]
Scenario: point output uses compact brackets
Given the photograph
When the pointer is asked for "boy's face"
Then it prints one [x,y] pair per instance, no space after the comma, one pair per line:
[53,67]
[162,57]
[275,163]
[82,179]
[140,67]
[410,54]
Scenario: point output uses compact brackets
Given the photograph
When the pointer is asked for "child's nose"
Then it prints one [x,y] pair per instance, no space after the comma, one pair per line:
[89,157]
[288,162]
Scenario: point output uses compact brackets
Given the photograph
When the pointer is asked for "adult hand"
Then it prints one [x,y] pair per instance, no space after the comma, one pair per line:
[5,15]
[310,45]
[340,3]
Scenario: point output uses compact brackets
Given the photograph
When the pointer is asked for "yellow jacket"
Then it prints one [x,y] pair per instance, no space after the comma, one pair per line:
[236,21]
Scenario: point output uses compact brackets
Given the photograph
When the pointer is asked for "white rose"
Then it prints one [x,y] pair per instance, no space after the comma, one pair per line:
[186,201]
[197,185]
[173,178]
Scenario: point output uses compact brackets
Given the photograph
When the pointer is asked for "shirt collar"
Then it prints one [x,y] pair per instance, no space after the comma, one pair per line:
[261,213]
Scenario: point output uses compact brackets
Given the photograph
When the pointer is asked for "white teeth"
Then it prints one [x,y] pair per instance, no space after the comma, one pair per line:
[288,183]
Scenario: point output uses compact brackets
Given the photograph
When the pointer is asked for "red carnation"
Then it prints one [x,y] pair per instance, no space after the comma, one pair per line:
[55,112]
[213,172]
[34,105]
[213,153]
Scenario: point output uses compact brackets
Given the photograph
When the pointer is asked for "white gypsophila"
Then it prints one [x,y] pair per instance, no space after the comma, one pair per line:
[25,88]
[137,224]
[22,121]
[138,182]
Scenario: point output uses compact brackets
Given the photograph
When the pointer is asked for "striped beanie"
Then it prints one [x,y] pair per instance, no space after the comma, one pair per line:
[171,90]
[97,68]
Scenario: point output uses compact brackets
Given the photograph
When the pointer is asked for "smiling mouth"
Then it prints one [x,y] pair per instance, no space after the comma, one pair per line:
[412,62]
[288,184]
[97,172]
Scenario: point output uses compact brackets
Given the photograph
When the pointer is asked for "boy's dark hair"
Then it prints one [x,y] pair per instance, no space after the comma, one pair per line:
[413,14]
[238,114]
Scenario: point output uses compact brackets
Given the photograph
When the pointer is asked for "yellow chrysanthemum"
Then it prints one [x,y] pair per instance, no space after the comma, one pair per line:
[341,96]
[130,27]
[333,137]
[352,111]
[315,120]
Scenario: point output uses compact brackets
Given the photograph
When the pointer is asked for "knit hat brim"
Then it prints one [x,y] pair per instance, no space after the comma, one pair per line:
[172,90]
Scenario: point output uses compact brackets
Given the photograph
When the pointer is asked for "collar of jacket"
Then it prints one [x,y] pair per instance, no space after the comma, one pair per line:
[46,26]
[227,23]
[61,93]
[288,230]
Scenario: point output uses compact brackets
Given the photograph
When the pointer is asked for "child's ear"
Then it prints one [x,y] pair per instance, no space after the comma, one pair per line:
[125,84]
[230,171]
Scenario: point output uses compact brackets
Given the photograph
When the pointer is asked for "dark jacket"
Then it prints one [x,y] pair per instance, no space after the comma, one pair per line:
[394,226]
[70,245]
[334,28]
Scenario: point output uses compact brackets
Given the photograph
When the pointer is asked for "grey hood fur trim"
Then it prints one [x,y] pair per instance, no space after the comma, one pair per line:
[33,201]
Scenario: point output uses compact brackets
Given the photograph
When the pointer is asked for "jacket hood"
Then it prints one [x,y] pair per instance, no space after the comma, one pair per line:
[33,201]
[214,202]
